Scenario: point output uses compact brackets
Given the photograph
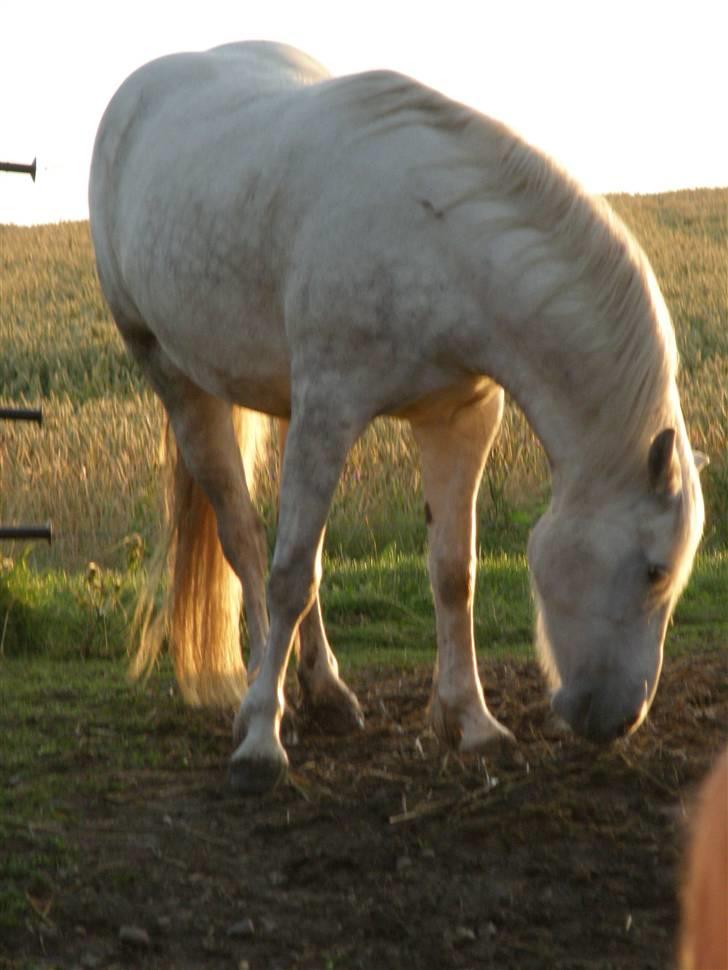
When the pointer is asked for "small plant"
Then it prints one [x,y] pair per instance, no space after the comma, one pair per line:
[102,594]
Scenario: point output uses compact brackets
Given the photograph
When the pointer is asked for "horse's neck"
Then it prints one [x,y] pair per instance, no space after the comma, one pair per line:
[558,422]
[579,333]
[577,404]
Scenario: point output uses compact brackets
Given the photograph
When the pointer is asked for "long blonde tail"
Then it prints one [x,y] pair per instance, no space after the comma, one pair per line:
[199,618]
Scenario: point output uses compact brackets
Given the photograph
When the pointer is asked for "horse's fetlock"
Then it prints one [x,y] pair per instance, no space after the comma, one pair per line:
[444,720]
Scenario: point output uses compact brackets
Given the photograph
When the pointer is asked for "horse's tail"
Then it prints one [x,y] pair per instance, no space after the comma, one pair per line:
[199,617]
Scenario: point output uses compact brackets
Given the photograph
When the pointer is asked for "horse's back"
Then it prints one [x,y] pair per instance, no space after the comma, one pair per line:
[219,77]
[169,108]
[177,159]
[244,205]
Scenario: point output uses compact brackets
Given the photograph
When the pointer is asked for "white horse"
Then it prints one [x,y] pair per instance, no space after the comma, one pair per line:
[328,250]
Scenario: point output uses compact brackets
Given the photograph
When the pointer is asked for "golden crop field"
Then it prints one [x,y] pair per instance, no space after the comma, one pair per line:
[93,467]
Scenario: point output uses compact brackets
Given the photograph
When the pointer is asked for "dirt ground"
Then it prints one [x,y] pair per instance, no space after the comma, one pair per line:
[382,852]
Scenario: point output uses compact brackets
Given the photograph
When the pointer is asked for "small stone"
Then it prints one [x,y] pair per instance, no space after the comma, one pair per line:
[554,728]
[243,929]
[404,863]
[268,925]
[463,935]
[134,936]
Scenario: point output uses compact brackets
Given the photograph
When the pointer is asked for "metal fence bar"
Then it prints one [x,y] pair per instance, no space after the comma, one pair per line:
[21,414]
[32,532]
[18,167]
[27,532]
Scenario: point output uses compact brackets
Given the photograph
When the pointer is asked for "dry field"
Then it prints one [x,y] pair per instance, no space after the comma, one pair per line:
[93,468]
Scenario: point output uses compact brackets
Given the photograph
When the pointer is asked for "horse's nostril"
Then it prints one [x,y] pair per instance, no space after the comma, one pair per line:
[575,709]
[591,716]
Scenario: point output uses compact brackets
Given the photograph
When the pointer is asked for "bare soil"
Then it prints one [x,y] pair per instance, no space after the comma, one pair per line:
[384,852]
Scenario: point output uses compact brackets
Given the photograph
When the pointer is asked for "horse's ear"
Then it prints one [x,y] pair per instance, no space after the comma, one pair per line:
[662,468]
[701,460]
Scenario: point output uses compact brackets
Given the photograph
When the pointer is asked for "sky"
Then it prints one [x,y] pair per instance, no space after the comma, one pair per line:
[629,95]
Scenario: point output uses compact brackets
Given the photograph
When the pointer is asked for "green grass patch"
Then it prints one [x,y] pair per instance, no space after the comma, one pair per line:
[377,610]
[702,613]
[68,614]
[70,726]
[380,611]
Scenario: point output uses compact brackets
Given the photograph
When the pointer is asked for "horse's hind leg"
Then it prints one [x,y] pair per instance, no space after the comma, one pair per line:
[206,437]
[454,448]
[326,699]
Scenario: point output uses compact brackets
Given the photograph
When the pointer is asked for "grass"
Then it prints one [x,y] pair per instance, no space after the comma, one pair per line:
[93,467]
[378,610]
[63,717]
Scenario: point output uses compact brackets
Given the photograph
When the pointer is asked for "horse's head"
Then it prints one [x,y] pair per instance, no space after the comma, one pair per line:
[606,574]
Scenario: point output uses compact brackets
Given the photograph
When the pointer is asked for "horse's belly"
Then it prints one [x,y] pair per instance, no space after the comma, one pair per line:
[260,388]
[239,360]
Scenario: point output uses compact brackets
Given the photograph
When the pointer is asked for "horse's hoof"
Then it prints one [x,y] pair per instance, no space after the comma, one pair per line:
[256,776]
[500,748]
[335,711]
[494,737]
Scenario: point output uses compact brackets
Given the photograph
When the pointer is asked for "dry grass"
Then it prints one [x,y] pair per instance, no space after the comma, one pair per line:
[92,468]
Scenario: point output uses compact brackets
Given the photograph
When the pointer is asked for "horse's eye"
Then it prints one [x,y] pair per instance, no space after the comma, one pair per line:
[656,574]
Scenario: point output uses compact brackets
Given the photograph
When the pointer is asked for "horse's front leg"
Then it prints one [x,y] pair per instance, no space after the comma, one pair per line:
[326,699]
[453,451]
[318,442]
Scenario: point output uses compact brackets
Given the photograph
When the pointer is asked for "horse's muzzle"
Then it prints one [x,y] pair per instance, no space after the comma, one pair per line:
[593,714]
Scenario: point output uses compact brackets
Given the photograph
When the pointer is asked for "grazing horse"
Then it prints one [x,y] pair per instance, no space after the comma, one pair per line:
[326,250]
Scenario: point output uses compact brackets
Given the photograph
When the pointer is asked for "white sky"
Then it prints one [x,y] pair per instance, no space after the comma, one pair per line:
[630,95]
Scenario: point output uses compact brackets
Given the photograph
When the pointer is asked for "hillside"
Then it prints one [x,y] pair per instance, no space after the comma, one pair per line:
[92,468]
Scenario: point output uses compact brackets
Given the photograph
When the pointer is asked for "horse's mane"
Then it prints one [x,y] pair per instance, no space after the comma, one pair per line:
[604,300]
[604,296]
